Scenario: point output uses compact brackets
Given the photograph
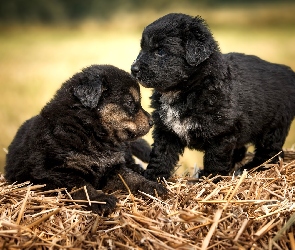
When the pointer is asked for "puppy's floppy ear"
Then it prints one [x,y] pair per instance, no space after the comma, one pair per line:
[200,43]
[90,90]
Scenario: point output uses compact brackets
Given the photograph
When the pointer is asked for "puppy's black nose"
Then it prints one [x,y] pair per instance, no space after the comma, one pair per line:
[134,68]
[151,122]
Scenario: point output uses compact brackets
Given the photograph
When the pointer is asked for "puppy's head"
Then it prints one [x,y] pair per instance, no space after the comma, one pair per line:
[106,100]
[171,48]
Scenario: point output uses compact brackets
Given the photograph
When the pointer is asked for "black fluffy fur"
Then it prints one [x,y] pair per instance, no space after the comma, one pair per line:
[70,144]
[209,101]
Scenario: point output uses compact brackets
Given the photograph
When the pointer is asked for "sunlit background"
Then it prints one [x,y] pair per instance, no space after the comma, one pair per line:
[43,43]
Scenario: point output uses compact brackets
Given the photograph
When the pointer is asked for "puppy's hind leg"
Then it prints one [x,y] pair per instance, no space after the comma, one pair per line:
[267,146]
[219,158]
[239,154]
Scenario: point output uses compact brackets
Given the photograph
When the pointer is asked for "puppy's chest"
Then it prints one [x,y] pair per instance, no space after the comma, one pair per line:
[175,114]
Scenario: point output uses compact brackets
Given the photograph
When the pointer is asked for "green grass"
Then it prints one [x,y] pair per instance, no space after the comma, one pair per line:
[35,60]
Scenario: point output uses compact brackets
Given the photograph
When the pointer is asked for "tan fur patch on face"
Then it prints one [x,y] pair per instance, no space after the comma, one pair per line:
[135,93]
[121,125]
[143,120]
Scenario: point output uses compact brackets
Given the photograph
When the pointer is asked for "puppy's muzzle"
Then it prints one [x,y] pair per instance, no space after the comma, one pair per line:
[151,122]
[135,69]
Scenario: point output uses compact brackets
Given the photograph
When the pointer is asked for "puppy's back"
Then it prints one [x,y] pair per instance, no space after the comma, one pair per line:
[270,83]
[22,149]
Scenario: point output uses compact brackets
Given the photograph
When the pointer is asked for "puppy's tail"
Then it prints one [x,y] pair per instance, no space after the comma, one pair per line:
[141,149]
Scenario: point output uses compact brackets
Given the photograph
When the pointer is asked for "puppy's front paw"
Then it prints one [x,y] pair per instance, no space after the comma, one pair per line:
[104,209]
[137,168]
[153,175]
[151,187]
[239,171]
[150,174]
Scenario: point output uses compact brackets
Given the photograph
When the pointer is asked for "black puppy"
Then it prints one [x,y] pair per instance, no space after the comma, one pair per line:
[209,101]
[83,137]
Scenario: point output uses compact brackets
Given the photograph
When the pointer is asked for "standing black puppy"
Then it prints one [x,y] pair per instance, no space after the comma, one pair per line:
[209,101]
[85,137]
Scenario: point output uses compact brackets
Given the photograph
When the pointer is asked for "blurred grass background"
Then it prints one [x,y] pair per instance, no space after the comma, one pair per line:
[43,43]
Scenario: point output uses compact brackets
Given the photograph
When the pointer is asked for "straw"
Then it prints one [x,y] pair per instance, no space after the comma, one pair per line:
[253,211]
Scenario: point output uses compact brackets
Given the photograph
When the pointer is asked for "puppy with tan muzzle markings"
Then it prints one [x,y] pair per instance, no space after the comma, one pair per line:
[86,136]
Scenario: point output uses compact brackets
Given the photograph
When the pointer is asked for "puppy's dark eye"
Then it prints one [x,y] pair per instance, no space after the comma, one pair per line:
[160,52]
[130,106]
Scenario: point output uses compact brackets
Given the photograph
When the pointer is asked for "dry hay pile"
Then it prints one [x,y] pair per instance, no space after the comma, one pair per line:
[252,211]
